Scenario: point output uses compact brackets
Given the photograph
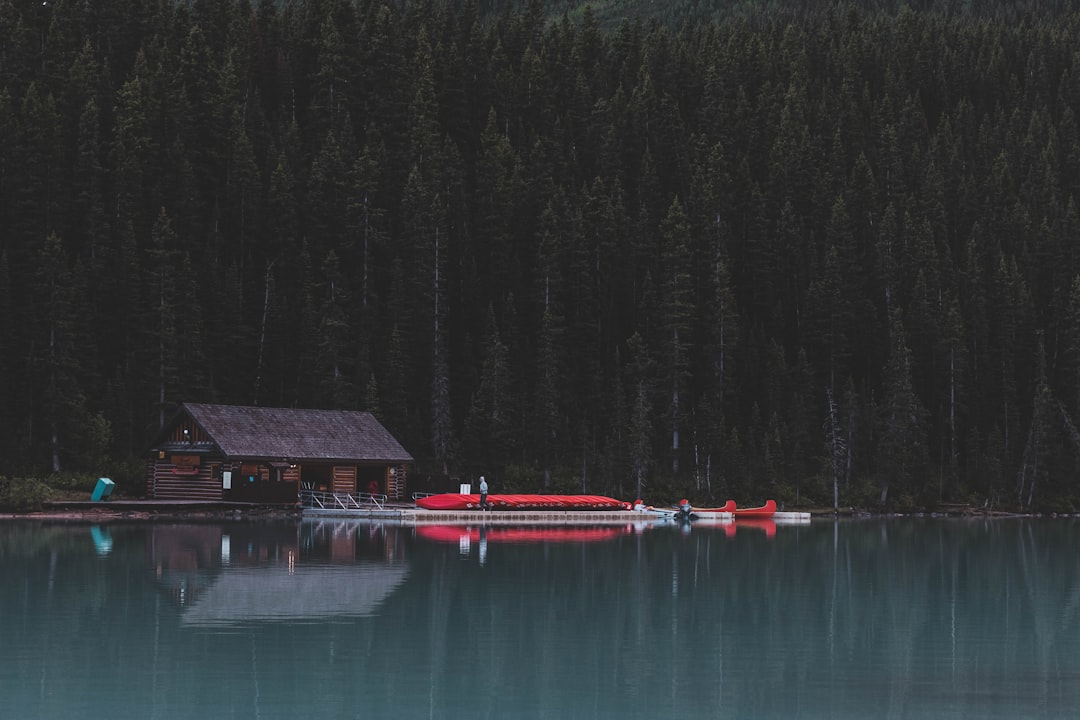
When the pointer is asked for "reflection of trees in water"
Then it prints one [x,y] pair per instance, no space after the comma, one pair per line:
[915,596]
[878,614]
[502,635]
[55,558]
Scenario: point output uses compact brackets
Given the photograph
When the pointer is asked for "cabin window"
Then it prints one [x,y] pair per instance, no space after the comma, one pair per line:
[278,470]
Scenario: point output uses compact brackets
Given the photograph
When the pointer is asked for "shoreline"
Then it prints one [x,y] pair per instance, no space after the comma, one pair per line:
[143,515]
[143,511]
[120,509]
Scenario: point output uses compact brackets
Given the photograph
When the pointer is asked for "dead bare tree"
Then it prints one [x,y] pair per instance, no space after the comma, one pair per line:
[835,447]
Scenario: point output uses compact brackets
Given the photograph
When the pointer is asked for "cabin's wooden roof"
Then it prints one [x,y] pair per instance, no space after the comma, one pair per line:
[296,434]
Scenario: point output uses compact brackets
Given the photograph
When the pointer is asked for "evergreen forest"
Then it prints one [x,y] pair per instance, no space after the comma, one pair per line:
[827,253]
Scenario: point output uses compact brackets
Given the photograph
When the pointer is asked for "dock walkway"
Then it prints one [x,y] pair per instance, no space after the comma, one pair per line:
[407,514]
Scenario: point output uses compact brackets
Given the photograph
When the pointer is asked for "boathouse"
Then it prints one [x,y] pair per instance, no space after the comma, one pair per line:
[234,453]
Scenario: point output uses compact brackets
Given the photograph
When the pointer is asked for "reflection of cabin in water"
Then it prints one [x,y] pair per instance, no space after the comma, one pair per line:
[265,455]
[231,573]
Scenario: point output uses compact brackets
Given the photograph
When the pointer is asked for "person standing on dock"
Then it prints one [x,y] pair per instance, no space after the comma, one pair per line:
[483,493]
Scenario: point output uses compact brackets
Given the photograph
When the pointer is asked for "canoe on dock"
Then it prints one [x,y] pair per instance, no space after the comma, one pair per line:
[459,501]
[763,511]
[714,514]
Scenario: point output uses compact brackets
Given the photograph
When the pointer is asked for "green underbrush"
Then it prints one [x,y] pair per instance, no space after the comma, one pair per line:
[29,494]
[23,494]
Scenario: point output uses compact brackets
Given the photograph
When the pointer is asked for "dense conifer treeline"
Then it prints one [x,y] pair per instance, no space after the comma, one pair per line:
[775,255]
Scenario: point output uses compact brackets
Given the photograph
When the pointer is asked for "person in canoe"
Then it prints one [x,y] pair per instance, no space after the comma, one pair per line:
[483,493]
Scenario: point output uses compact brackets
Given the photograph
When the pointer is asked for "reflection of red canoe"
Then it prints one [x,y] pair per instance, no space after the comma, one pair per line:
[765,511]
[562,534]
[727,526]
[766,524]
[457,501]
[447,533]
[456,533]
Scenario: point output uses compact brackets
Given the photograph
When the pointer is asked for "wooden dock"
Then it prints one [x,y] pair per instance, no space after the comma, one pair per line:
[417,516]
[395,512]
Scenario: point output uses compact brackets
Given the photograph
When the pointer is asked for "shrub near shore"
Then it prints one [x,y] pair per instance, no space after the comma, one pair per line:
[29,494]
[23,494]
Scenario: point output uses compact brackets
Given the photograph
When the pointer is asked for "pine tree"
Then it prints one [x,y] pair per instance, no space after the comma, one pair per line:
[367,219]
[241,202]
[491,414]
[203,124]
[61,398]
[332,366]
[161,340]
[722,340]
[558,225]
[192,363]
[827,317]
[835,447]
[53,280]
[1071,356]
[8,378]
[133,147]
[954,352]
[325,211]
[396,403]
[498,191]
[902,446]
[37,183]
[639,382]
[87,222]
[677,308]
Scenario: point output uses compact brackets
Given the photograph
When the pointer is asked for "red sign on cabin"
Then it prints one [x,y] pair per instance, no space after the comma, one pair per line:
[186,460]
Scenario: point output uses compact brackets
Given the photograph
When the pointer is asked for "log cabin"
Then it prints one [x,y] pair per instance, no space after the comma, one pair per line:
[231,453]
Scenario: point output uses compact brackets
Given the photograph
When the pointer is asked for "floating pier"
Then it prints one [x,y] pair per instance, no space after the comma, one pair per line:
[791,517]
[418,516]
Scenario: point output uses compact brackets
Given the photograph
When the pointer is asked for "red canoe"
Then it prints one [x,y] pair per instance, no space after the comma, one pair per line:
[765,511]
[458,501]
[714,513]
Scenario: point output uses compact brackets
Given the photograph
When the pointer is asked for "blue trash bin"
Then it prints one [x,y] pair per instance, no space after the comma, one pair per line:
[102,490]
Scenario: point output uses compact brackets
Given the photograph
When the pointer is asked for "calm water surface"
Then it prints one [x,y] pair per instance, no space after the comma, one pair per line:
[877,619]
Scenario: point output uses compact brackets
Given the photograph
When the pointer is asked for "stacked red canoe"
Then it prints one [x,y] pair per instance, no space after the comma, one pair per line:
[765,511]
[458,501]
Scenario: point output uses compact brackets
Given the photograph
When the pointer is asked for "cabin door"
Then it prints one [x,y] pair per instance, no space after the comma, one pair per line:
[345,479]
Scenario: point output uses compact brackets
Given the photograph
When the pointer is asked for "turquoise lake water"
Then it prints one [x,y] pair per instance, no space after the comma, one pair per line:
[898,618]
